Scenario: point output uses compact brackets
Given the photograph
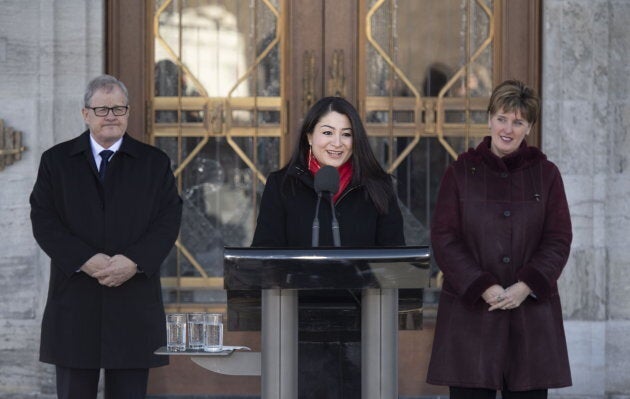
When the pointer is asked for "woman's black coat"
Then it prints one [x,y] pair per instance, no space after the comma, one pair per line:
[287,209]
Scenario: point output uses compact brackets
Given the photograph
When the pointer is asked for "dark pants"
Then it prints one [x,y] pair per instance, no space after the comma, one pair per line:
[119,383]
[480,393]
[329,348]
[330,370]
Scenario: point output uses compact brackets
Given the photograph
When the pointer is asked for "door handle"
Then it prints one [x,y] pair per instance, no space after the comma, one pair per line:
[337,80]
[308,80]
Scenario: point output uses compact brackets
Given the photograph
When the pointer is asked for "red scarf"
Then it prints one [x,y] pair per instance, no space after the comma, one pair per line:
[345,174]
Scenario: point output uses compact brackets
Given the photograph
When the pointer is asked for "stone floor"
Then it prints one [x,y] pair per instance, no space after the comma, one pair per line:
[258,397]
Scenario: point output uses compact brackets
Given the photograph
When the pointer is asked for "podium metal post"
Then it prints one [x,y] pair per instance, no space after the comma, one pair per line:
[379,343]
[279,338]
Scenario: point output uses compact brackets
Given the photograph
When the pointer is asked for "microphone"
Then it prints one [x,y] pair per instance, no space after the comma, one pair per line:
[326,181]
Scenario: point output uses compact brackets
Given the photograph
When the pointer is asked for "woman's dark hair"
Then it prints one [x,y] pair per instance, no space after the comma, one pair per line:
[366,169]
[512,96]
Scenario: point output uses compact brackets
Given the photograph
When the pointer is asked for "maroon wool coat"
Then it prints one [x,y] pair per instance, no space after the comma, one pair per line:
[500,221]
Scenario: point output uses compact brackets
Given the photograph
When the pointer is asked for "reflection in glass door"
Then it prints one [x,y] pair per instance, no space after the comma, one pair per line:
[428,78]
[216,110]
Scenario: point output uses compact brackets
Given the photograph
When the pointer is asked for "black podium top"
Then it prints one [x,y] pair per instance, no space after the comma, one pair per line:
[325,268]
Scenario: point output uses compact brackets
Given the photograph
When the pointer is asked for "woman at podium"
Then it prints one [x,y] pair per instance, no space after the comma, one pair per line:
[366,211]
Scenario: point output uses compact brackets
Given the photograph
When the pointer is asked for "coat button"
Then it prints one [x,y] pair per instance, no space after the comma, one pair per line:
[506,259]
[507,213]
[504,174]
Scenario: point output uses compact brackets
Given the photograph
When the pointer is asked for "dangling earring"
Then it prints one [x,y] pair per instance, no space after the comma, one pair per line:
[310,154]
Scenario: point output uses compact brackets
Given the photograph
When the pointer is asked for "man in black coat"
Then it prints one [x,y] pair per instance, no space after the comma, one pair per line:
[106,210]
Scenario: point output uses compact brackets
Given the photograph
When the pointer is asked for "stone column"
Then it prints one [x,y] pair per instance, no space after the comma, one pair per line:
[586,58]
[49,50]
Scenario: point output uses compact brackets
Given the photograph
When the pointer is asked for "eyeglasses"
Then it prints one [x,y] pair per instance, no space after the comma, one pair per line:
[119,110]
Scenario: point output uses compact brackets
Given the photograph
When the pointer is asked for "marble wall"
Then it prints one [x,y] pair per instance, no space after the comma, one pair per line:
[48,52]
[49,49]
[586,115]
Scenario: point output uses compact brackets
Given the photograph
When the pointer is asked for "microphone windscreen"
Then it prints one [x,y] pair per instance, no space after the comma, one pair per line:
[327,179]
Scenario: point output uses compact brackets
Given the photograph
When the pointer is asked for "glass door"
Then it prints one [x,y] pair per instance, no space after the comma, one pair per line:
[217,111]
[428,77]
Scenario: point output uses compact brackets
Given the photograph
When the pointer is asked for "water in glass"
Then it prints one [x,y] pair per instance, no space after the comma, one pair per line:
[213,335]
[176,332]
[195,331]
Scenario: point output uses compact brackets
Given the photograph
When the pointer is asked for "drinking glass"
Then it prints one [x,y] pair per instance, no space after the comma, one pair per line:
[195,331]
[176,332]
[213,335]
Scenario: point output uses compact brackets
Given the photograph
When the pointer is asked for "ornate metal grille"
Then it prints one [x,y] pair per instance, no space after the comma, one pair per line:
[218,109]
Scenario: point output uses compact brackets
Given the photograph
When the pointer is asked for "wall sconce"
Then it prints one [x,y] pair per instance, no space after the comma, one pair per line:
[11,148]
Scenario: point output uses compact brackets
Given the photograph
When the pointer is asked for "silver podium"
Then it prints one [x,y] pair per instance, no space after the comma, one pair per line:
[279,273]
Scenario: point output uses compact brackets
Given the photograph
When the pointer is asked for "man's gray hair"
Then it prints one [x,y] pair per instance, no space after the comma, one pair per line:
[104,82]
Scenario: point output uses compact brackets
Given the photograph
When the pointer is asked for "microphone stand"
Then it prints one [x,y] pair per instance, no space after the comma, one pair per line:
[337,242]
[335,224]
[315,228]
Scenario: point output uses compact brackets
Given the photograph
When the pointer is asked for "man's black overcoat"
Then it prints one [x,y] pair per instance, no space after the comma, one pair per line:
[136,213]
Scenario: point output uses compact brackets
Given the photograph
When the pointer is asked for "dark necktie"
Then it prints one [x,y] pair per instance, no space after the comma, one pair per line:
[105,155]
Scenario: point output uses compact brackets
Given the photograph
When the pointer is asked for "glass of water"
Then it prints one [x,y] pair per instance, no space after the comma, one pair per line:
[195,331]
[213,335]
[176,332]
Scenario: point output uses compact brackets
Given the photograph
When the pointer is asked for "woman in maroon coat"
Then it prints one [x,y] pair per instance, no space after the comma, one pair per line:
[501,234]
